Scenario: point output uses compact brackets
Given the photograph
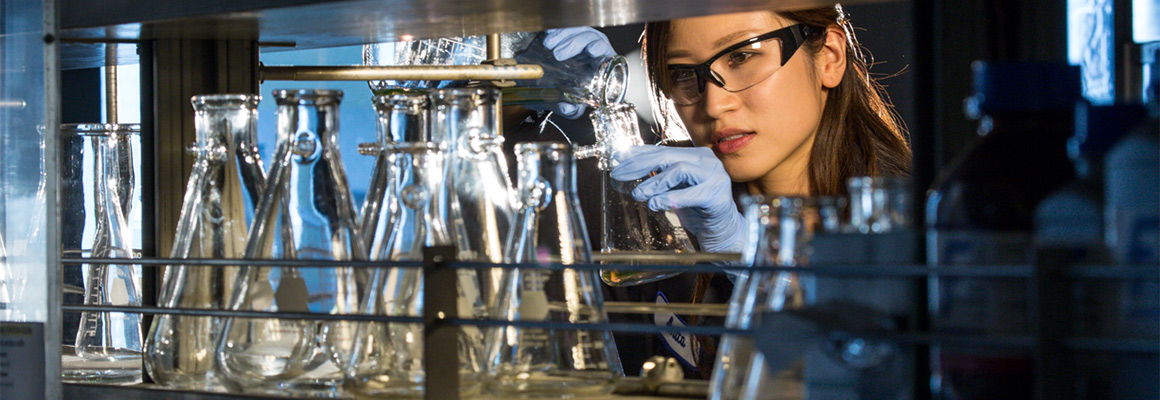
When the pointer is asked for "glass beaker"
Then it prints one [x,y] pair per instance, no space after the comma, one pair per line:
[220,199]
[305,213]
[783,227]
[628,225]
[388,357]
[879,204]
[583,79]
[108,344]
[481,199]
[401,117]
[535,362]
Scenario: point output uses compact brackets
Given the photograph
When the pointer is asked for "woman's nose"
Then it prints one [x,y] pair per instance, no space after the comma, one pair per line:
[718,101]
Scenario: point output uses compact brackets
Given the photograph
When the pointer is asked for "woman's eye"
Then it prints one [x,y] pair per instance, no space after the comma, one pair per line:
[740,57]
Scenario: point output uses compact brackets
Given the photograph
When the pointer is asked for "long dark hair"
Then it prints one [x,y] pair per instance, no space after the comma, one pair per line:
[860,134]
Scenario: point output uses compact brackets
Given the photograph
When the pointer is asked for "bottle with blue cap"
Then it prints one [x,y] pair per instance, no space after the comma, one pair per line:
[980,212]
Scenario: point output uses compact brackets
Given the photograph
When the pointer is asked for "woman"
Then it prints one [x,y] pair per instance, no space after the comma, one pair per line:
[776,103]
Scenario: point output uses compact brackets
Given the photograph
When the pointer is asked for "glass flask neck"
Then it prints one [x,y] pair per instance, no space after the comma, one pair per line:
[220,120]
[403,117]
[616,129]
[421,198]
[463,112]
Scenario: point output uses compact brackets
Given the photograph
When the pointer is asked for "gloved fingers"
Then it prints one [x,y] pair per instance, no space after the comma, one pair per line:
[569,110]
[569,42]
[638,161]
[678,199]
[677,175]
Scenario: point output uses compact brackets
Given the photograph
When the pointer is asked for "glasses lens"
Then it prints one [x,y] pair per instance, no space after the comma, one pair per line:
[746,66]
[684,87]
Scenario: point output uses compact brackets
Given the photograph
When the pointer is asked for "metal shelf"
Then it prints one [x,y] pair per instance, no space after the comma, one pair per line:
[278,23]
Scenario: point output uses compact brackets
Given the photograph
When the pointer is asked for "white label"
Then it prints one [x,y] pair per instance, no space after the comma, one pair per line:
[21,360]
[681,344]
[292,295]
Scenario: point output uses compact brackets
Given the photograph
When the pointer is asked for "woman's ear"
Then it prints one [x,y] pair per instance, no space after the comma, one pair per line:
[831,60]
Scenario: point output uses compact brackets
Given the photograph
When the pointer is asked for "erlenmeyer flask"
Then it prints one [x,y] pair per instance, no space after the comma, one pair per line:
[781,228]
[583,79]
[402,117]
[305,213]
[533,362]
[220,199]
[109,344]
[628,225]
[481,197]
[388,358]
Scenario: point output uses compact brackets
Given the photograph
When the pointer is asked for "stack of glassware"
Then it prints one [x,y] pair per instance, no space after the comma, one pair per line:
[440,180]
[782,231]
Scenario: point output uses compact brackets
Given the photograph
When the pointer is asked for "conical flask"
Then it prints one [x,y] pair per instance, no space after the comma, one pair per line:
[220,200]
[401,117]
[628,225]
[782,228]
[533,362]
[108,345]
[305,213]
[388,358]
[481,199]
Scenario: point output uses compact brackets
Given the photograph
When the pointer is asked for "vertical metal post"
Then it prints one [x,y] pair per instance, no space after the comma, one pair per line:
[54,282]
[493,46]
[149,282]
[110,83]
[440,339]
[922,136]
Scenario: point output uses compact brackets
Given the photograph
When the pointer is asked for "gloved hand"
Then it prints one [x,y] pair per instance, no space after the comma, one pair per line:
[566,43]
[691,181]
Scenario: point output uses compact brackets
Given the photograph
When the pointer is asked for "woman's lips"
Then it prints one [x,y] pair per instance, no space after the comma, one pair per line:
[732,143]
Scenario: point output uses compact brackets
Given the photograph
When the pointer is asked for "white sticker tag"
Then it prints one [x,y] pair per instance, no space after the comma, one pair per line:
[533,305]
[681,344]
[119,294]
[292,295]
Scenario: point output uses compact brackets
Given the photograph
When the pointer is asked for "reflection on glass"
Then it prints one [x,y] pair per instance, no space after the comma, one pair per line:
[628,225]
[305,213]
[481,196]
[784,226]
[534,362]
[220,198]
[108,345]
[388,358]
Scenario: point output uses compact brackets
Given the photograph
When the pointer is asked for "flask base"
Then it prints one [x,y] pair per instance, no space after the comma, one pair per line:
[544,386]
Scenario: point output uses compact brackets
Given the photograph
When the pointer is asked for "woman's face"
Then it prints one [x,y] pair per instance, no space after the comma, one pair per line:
[764,132]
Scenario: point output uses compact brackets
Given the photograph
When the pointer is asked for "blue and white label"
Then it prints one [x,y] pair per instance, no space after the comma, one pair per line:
[680,344]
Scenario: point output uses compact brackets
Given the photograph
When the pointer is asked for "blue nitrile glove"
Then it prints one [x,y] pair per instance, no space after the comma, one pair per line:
[692,181]
[566,43]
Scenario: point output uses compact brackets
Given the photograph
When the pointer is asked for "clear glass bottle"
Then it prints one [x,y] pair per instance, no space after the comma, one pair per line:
[583,79]
[781,229]
[305,213]
[388,358]
[220,199]
[481,199]
[533,362]
[628,225]
[402,117]
[108,345]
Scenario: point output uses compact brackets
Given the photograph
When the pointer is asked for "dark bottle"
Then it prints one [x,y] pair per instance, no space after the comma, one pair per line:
[980,212]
